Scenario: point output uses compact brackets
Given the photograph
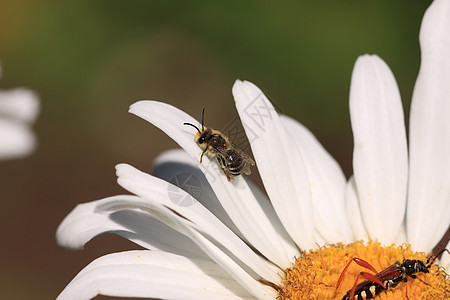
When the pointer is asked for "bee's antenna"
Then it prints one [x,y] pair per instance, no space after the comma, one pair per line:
[192,126]
[203,118]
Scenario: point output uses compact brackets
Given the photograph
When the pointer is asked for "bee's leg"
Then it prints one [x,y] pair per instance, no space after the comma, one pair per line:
[224,167]
[227,173]
[246,169]
[201,156]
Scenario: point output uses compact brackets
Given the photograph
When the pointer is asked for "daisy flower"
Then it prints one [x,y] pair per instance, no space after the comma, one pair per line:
[214,239]
[18,109]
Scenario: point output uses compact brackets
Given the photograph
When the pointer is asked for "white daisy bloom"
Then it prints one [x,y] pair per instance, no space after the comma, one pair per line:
[211,238]
[18,110]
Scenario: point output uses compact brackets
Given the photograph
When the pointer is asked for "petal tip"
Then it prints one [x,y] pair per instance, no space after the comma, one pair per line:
[133,107]
[123,168]
[368,59]
[140,105]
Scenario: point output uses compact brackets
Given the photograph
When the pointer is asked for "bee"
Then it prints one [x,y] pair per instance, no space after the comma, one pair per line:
[232,160]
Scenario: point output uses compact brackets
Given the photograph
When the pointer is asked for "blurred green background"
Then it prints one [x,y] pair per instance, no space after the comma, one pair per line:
[89,60]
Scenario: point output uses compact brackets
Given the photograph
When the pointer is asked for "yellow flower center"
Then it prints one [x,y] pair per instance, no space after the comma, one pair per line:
[316,273]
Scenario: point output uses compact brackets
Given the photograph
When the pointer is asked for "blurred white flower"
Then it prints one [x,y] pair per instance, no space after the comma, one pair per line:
[234,241]
[19,108]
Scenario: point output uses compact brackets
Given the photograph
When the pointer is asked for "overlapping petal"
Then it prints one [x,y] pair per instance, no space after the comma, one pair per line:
[91,219]
[327,183]
[236,197]
[153,274]
[196,216]
[282,170]
[401,235]
[73,232]
[380,152]
[354,211]
[174,165]
[256,288]
[428,214]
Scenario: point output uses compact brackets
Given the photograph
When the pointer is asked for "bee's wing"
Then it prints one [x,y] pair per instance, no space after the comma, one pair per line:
[246,169]
[220,150]
[248,161]
[244,155]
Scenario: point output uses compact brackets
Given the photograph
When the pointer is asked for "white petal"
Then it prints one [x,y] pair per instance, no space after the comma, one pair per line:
[153,274]
[320,239]
[243,277]
[354,211]
[327,184]
[182,224]
[236,197]
[16,139]
[21,104]
[429,188]
[88,220]
[401,235]
[176,163]
[155,189]
[380,161]
[281,169]
[175,166]
[173,155]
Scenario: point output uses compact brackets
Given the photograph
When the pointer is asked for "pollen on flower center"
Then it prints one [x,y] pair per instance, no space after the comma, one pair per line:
[316,273]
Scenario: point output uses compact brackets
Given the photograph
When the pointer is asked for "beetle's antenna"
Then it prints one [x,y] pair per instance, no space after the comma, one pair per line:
[432,258]
[192,126]
[203,119]
[439,249]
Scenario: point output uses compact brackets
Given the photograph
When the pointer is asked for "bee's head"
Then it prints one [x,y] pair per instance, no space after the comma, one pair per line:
[202,137]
